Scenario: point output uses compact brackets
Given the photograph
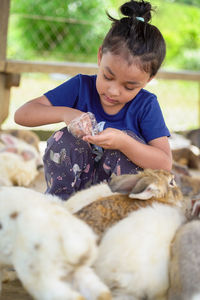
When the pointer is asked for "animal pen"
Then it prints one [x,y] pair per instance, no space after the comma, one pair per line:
[11,70]
[10,76]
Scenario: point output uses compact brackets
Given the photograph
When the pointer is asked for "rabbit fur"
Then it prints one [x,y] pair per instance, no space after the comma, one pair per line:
[50,249]
[27,136]
[186,157]
[184,268]
[190,188]
[126,182]
[134,248]
[86,196]
[19,161]
[149,185]
[134,253]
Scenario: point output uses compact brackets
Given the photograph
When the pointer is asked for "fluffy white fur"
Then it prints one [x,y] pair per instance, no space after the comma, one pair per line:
[134,253]
[19,161]
[15,171]
[50,249]
[87,196]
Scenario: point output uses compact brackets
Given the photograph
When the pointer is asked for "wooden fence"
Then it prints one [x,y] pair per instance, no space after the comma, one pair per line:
[11,70]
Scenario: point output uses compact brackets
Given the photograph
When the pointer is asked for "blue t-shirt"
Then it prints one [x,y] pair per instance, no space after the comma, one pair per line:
[142,115]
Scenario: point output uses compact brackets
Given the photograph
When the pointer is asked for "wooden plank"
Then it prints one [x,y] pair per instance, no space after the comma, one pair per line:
[179,75]
[2,65]
[4,92]
[199,104]
[4,98]
[72,68]
[12,80]
[13,290]
[4,14]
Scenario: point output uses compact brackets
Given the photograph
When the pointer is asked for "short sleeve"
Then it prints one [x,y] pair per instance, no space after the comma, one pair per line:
[65,94]
[152,123]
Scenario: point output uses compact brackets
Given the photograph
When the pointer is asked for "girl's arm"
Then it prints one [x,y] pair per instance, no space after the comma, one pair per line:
[40,111]
[155,155]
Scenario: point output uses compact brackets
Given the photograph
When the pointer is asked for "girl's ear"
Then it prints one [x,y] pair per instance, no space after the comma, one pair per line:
[152,77]
[99,55]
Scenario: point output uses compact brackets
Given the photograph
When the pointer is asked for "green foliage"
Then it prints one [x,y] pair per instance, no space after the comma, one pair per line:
[61,27]
[189,2]
[179,25]
[47,29]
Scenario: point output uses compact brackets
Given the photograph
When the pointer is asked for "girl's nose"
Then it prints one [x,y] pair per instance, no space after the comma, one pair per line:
[114,89]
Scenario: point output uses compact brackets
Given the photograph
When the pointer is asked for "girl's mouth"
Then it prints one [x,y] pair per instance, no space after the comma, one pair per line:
[110,100]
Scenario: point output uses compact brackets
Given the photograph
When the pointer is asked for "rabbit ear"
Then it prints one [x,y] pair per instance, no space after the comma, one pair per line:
[8,139]
[145,189]
[123,183]
[149,192]
[195,208]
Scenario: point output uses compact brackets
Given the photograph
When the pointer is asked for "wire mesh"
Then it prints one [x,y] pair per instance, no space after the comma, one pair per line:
[72,31]
[68,30]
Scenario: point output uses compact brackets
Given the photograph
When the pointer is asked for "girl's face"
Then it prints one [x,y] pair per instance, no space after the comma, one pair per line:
[118,81]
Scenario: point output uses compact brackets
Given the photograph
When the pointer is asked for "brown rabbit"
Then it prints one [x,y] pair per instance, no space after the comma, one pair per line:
[189,185]
[190,188]
[186,156]
[149,185]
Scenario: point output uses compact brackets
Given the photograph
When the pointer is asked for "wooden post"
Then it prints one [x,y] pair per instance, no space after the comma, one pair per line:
[4,91]
[4,15]
[199,102]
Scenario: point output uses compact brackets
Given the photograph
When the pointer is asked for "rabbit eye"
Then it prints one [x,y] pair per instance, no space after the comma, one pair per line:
[172,182]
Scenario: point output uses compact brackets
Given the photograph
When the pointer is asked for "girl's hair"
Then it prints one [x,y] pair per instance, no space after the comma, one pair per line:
[136,39]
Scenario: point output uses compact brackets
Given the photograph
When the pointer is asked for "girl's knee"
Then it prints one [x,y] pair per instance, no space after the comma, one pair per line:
[62,143]
[68,163]
[63,138]
[114,161]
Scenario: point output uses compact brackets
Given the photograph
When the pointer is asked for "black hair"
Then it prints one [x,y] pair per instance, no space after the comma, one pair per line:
[136,39]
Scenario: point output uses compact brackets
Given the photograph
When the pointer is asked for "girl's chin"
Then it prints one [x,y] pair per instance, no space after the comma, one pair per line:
[111,109]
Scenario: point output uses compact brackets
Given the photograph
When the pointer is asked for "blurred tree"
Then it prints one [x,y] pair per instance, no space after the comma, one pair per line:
[74,29]
[71,26]
[179,24]
[190,2]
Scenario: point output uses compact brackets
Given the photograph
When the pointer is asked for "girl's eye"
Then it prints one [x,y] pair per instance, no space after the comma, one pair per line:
[129,89]
[107,78]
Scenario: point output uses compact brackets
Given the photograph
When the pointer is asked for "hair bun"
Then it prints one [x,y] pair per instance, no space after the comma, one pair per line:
[137,9]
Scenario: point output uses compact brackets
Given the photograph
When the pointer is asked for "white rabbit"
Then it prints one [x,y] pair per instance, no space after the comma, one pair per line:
[26,135]
[134,253]
[135,247]
[19,161]
[51,250]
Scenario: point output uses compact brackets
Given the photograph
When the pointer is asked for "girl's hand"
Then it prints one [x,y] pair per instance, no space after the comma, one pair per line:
[71,114]
[110,138]
[83,125]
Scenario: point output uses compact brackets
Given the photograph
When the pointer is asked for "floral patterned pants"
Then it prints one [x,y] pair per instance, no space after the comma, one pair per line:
[70,164]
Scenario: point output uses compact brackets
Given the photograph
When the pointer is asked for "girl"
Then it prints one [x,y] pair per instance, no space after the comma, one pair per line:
[132,132]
